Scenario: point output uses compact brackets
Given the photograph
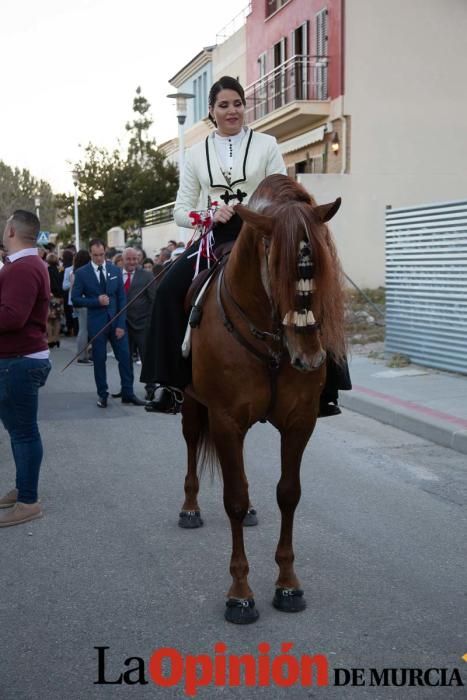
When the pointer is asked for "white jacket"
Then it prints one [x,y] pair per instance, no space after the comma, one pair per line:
[204,182]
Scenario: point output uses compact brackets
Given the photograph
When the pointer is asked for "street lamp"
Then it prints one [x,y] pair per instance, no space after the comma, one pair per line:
[37,204]
[75,175]
[181,99]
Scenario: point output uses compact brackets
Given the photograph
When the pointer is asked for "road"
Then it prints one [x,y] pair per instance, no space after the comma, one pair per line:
[379,540]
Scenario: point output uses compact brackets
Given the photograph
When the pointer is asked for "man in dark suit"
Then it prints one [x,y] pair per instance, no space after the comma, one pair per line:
[99,287]
[139,313]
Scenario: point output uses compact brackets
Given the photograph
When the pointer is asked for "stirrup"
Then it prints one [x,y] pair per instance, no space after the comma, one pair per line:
[169,400]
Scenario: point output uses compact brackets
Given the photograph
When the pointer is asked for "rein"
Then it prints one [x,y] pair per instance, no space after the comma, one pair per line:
[271,359]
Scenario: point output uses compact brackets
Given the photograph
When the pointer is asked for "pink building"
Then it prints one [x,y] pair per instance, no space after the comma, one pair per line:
[294,73]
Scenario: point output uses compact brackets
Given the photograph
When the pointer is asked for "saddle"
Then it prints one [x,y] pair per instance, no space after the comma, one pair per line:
[196,294]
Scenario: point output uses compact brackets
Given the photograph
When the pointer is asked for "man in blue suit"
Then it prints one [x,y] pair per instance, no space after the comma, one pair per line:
[99,287]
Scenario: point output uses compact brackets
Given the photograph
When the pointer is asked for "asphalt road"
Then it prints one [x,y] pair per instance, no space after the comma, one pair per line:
[379,540]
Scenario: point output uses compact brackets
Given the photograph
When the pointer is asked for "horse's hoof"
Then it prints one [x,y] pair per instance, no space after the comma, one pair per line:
[190,519]
[241,611]
[289,600]
[250,518]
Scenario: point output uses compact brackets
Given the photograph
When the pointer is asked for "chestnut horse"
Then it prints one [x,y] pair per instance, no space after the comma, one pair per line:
[259,354]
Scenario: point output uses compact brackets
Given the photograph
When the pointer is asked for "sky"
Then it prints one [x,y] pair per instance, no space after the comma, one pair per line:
[70,69]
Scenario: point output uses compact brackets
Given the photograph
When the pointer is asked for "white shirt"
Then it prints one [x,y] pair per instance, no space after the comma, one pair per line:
[42,354]
[227,149]
[22,254]
[96,270]
[126,274]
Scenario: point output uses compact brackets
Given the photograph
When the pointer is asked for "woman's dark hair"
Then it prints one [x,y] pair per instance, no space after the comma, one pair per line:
[67,257]
[148,260]
[82,257]
[224,83]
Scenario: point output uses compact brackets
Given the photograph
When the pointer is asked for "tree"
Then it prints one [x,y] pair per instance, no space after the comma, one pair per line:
[116,188]
[18,189]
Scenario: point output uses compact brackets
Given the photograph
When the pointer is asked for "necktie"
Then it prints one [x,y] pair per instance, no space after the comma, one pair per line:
[127,282]
[102,278]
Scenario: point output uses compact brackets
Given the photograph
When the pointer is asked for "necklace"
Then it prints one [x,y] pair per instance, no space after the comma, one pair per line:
[226,147]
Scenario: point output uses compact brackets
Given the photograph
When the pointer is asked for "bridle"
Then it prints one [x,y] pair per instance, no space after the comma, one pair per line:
[270,357]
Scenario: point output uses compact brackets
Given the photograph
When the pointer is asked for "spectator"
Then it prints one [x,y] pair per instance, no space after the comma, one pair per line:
[56,302]
[141,255]
[118,260]
[99,287]
[82,258]
[164,255]
[148,264]
[67,263]
[138,313]
[24,363]
[171,245]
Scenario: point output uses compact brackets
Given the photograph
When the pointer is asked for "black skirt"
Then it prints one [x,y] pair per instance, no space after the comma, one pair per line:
[163,362]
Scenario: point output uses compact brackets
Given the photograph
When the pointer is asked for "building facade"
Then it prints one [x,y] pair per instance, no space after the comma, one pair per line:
[366,99]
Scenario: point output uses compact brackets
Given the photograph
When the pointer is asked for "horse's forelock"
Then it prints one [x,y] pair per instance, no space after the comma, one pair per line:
[294,222]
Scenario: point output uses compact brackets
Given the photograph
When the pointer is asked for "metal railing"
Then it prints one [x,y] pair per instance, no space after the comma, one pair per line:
[234,25]
[159,215]
[426,284]
[298,78]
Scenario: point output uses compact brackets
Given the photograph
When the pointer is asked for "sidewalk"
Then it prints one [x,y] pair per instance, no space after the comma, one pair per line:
[426,402]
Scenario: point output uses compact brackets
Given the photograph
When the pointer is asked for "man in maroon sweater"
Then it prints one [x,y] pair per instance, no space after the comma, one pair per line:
[24,363]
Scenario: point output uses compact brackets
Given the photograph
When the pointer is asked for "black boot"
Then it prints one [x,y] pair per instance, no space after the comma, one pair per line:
[328,408]
[167,400]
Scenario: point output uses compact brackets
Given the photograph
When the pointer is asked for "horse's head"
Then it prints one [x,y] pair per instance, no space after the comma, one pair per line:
[299,268]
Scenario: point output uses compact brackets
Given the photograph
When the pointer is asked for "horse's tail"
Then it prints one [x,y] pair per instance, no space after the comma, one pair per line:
[206,453]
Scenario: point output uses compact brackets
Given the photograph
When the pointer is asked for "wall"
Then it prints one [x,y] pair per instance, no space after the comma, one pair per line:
[156,237]
[405,68]
[229,58]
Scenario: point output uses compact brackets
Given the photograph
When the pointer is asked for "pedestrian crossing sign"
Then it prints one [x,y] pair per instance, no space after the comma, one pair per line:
[42,238]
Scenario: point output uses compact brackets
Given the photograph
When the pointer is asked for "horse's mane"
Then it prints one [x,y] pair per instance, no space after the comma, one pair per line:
[291,208]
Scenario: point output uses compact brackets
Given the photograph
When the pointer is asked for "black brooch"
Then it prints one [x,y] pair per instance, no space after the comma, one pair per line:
[238,195]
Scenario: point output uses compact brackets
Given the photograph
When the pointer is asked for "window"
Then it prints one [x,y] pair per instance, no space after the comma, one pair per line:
[321,66]
[280,75]
[313,164]
[200,97]
[261,96]
[273,5]
[299,70]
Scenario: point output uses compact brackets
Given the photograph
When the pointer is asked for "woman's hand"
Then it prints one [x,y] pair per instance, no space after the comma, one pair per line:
[223,214]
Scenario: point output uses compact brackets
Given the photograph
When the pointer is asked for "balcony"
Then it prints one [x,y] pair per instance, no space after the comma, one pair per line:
[291,98]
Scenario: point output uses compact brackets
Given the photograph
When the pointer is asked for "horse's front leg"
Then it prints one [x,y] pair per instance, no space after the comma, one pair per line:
[194,421]
[289,596]
[229,445]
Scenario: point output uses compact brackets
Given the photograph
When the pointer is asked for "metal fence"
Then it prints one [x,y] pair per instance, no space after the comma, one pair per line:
[426,284]
[159,215]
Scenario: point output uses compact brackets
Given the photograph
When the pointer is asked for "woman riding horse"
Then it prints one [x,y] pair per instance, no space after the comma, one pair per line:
[226,167]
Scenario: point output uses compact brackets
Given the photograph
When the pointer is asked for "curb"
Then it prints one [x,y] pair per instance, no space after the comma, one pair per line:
[435,431]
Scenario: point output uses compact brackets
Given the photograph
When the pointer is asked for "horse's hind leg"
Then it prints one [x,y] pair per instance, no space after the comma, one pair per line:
[229,445]
[194,420]
[289,596]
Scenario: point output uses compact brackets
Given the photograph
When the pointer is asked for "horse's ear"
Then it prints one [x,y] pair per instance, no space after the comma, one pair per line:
[325,212]
[259,222]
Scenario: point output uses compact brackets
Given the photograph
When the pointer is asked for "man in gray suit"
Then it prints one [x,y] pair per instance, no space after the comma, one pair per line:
[139,312]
